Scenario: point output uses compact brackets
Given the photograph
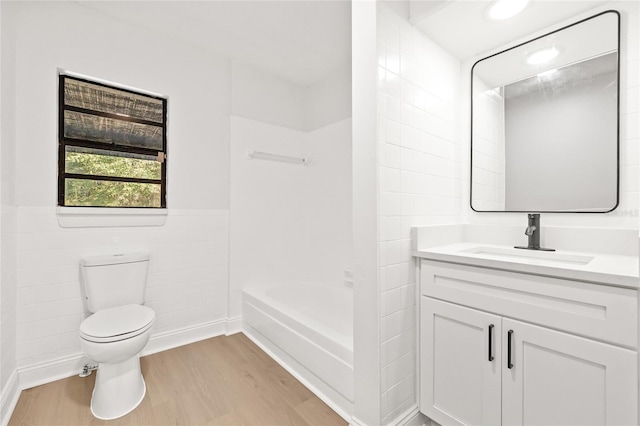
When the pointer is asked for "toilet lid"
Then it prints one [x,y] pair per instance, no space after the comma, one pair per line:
[118,321]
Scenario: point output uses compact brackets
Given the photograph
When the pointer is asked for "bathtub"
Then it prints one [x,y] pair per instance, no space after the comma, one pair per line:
[308,329]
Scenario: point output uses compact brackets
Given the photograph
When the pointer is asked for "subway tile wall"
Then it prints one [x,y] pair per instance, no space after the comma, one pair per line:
[629,209]
[187,282]
[488,174]
[420,183]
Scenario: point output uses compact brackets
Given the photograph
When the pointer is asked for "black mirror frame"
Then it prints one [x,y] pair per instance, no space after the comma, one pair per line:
[617,127]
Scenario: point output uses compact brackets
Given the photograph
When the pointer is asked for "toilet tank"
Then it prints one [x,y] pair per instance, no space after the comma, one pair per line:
[113,280]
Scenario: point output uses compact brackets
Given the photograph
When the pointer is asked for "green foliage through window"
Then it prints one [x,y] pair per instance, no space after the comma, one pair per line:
[96,193]
[110,164]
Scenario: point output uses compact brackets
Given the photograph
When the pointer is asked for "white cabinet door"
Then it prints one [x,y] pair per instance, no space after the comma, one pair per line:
[559,379]
[459,383]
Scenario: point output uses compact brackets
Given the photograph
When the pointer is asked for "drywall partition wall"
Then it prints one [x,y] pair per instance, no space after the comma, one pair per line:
[188,272]
[8,220]
[266,97]
[289,223]
[366,306]
[420,181]
[328,100]
[627,215]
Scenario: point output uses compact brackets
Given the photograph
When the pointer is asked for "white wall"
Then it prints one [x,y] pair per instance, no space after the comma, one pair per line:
[420,184]
[262,96]
[366,303]
[327,195]
[628,211]
[8,218]
[187,284]
[265,97]
[81,40]
[329,100]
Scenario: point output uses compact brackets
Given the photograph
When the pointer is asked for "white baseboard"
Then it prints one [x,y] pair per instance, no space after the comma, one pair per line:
[233,326]
[184,336]
[50,371]
[9,398]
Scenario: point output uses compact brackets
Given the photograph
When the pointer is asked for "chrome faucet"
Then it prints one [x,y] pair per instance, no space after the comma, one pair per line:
[533,233]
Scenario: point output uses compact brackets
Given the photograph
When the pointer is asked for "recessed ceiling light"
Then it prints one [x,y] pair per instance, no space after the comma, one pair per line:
[542,56]
[503,9]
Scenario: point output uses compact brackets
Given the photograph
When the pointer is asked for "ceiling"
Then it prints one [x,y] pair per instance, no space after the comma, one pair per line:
[300,41]
[304,40]
[460,27]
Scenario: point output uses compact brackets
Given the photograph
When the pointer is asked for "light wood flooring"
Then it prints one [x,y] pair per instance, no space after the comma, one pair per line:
[225,380]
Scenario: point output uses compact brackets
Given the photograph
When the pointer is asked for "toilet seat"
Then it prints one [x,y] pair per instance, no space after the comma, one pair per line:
[115,324]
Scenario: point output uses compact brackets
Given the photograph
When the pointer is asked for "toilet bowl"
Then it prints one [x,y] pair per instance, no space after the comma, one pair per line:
[114,338]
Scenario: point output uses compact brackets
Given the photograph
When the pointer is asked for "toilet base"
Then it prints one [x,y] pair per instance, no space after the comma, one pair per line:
[119,389]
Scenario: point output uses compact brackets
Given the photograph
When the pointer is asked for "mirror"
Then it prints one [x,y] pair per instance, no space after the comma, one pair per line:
[544,122]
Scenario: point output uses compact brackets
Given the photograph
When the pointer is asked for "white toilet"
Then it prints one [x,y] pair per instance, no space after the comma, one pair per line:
[113,289]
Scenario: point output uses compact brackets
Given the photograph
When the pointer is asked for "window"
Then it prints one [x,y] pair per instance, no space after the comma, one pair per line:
[112,145]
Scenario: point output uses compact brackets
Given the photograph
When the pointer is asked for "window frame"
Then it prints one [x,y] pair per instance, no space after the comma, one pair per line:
[63,142]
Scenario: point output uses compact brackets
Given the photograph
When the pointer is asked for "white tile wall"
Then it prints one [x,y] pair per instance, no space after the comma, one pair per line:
[420,184]
[7,294]
[488,148]
[187,283]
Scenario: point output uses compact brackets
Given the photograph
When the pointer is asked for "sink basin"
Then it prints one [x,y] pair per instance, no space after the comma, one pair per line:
[548,256]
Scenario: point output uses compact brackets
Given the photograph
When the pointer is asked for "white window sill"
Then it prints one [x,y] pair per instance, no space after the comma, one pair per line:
[96,217]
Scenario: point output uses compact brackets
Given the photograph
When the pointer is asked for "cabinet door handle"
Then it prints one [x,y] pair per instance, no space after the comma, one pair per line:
[509,335]
[491,342]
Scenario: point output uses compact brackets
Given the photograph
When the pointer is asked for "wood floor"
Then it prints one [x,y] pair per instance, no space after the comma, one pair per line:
[225,380]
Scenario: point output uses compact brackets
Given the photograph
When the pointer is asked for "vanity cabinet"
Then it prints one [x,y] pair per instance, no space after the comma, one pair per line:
[500,347]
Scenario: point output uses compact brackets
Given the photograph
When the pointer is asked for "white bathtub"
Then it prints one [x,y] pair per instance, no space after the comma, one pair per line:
[309,330]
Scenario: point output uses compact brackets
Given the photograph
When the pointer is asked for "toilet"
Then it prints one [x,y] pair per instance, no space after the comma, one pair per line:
[113,288]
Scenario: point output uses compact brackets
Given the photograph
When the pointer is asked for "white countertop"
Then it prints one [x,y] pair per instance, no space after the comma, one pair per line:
[611,269]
